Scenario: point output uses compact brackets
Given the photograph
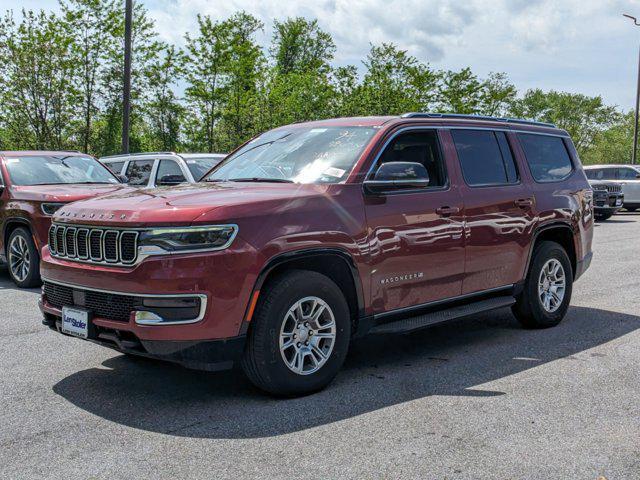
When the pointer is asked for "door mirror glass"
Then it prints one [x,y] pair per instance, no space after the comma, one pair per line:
[398,175]
[171,180]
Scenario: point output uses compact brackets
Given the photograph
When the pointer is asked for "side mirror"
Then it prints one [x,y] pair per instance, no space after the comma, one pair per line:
[171,180]
[397,176]
[122,178]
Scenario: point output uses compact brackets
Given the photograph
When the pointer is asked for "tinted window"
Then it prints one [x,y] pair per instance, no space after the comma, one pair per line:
[420,147]
[139,172]
[547,157]
[58,169]
[169,167]
[485,157]
[115,167]
[601,173]
[628,174]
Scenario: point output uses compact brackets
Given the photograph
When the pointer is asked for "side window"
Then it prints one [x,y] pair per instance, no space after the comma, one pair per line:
[485,157]
[593,173]
[421,147]
[547,157]
[628,174]
[139,171]
[115,167]
[169,167]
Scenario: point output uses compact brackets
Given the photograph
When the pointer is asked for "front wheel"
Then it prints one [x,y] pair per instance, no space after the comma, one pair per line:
[299,334]
[544,301]
[601,217]
[23,259]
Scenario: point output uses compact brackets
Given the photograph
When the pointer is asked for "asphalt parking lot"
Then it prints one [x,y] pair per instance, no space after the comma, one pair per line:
[475,398]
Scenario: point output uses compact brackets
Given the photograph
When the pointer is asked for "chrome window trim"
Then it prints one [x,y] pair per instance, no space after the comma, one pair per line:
[203,301]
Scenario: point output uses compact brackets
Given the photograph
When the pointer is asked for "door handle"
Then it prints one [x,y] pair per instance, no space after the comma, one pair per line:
[524,202]
[446,211]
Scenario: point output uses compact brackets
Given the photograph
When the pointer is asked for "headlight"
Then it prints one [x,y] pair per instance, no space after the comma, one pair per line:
[183,239]
[50,208]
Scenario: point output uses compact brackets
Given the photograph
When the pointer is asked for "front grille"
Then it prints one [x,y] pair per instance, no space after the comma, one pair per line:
[97,245]
[613,188]
[104,305]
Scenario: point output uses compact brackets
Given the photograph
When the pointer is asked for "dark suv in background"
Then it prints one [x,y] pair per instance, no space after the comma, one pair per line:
[33,185]
[312,234]
[607,198]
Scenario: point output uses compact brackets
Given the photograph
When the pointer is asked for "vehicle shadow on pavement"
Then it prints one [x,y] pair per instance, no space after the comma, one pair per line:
[450,359]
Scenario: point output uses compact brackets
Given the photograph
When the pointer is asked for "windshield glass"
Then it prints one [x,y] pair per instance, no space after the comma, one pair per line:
[51,170]
[200,166]
[301,155]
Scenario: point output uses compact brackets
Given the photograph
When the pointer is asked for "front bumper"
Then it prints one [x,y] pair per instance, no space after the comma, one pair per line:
[606,202]
[211,355]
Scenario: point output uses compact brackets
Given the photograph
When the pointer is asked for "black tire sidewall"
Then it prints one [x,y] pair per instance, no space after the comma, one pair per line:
[33,279]
[544,253]
[269,318]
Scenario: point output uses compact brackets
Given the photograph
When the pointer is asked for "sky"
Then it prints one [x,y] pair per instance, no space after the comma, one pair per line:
[581,46]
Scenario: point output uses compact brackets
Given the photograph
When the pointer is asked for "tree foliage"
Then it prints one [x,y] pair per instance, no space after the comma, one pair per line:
[61,86]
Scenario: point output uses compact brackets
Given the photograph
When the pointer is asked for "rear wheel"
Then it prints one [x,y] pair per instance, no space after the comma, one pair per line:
[23,260]
[631,209]
[544,301]
[299,335]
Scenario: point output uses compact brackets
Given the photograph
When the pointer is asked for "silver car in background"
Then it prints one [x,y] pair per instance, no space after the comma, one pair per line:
[626,175]
[154,169]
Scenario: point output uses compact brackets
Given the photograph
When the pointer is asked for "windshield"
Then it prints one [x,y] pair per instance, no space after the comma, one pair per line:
[299,154]
[200,166]
[53,170]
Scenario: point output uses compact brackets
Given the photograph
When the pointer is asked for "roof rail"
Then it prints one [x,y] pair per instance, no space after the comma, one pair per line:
[138,154]
[477,117]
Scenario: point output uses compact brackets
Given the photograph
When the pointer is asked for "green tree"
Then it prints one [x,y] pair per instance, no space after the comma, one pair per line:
[36,83]
[301,46]
[91,23]
[613,145]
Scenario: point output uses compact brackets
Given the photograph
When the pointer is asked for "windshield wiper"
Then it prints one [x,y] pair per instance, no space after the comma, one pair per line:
[260,179]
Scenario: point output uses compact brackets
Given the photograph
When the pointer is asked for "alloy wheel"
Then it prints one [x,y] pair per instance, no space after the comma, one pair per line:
[19,258]
[552,285]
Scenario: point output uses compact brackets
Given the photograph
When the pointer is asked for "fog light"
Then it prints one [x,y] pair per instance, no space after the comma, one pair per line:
[170,310]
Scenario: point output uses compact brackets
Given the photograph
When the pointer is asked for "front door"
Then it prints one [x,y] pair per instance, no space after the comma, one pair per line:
[628,177]
[499,210]
[415,236]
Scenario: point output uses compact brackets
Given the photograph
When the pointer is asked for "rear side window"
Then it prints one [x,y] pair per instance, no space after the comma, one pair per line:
[547,157]
[169,167]
[139,172]
[485,157]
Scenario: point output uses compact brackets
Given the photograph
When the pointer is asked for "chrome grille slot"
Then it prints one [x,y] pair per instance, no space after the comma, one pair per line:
[70,241]
[94,245]
[110,242]
[82,243]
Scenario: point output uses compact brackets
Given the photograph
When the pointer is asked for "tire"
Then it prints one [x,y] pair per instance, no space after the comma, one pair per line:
[529,308]
[23,259]
[631,209]
[603,216]
[265,357]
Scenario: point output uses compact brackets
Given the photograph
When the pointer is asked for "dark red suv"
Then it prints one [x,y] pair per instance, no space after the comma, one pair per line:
[33,185]
[312,234]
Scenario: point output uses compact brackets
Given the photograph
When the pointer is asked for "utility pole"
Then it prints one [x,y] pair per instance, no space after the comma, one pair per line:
[635,125]
[126,92]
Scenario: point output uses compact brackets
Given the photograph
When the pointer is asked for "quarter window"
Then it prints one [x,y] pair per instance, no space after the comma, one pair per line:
[139,171]
[485,157]
[547,157]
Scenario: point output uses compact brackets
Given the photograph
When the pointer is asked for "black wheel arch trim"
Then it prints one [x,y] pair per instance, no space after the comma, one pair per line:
[10,221]
[286,257]
[544,228]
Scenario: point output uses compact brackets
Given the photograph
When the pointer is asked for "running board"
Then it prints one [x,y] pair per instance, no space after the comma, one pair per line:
[425,320]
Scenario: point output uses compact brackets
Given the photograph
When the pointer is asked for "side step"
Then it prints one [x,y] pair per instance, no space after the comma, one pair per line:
[428,319]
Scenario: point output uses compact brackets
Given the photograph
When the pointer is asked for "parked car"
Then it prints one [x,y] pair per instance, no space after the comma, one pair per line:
[162,168]
[315,233]
[33,185]
[626,175]
[607,198]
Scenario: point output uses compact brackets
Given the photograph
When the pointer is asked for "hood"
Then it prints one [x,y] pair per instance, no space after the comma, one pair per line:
[603,182]
[185,204]
[61,193]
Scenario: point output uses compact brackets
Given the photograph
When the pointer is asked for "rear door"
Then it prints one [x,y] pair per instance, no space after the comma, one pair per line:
[628,177]
[415,236]
[499,208]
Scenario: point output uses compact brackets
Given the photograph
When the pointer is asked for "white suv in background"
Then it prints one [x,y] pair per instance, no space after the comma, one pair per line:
[626,175]
[162,168]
